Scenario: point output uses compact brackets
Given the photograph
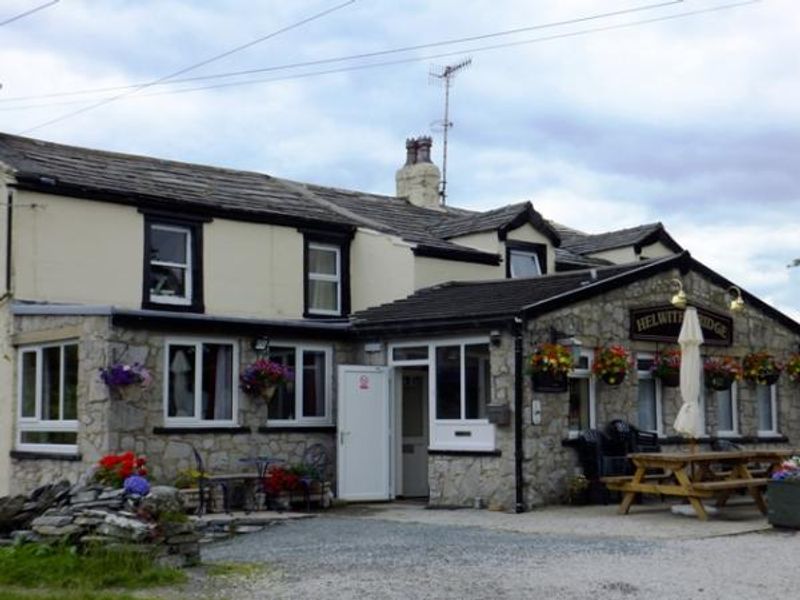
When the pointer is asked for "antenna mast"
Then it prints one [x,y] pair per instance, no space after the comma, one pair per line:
[446,74]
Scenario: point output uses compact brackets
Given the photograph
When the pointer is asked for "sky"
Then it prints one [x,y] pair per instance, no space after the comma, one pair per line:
[601,120]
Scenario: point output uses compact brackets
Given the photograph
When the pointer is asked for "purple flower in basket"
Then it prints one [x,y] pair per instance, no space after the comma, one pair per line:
[136,484]
[121,375]
[263,373]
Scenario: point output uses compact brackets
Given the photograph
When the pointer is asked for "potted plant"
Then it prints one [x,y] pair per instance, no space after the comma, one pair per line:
[611,363]
[720,372]
[262,377]
[578,490]
[761,368]
[793,367]
[667,367]
[114,469]
[783,495]
[121,375]
[549,366]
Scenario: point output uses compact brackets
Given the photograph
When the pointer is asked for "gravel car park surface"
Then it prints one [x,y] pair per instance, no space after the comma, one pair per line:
[346,555]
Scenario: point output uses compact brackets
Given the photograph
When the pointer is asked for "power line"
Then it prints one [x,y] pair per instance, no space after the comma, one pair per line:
[357,56]
[415,59]
[191,67]
[29,12]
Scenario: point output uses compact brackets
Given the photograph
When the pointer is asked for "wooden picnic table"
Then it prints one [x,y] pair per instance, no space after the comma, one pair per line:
[697,476]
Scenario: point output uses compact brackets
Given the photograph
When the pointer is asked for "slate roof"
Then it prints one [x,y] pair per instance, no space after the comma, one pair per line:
[569,260]
[579,242]
[498,219]
[486,299]
[178,185]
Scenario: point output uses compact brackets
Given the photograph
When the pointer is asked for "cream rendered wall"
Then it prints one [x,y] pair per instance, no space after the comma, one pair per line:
[430,271]
[527,233]
[626,254]
[381,269]
[252,269]
[70,250]
[486,241]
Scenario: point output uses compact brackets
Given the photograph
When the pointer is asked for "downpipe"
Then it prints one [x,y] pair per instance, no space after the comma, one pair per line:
[518,389]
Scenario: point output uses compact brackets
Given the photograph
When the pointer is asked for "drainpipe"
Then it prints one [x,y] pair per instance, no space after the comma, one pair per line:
[9,217]
[518,449]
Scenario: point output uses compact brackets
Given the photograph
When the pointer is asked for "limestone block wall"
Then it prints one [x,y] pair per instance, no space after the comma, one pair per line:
[604,320]
[133,418]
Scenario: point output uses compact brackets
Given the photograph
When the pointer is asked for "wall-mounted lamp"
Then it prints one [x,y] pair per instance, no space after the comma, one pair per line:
[737,303]
[568,340]
[495,337]
[261,345]
[679,300]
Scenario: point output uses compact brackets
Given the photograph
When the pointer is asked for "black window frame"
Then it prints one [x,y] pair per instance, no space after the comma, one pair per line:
[195,227]
[342,241]
[532,247]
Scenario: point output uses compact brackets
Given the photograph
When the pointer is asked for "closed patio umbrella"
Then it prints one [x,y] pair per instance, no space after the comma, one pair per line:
[689,422]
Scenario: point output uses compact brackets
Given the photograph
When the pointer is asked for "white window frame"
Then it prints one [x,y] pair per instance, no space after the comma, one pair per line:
[734,412]
[36,423]
[585,374]
[773,397]
[186,299]
[300,420]
[534,255]
[450,434]
[197,421]
[337,279]
[648,376]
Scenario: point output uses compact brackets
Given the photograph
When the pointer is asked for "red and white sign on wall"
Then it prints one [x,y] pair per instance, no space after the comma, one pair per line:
[363,382]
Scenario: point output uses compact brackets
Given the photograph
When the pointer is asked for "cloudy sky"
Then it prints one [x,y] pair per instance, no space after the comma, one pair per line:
[650,114]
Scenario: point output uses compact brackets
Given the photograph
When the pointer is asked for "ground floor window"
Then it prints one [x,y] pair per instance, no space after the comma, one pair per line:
[306,400]
[648,401]
[48,397]
[200,380]
[582,413]
[767,402]
[727,411]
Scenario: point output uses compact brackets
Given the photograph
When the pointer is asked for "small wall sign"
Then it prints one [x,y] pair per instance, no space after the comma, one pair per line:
[363,382]
[663,324]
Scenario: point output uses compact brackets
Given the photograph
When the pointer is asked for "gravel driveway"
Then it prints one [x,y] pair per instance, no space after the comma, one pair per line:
[345,556]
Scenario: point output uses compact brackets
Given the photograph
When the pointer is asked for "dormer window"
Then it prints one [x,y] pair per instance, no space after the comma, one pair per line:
[525,259]
[172,264]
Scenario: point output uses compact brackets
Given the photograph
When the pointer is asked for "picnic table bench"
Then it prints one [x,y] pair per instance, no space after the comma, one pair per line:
[691,475]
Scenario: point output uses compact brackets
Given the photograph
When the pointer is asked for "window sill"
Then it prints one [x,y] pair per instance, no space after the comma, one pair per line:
[223,429]
[35,455]
[300,428]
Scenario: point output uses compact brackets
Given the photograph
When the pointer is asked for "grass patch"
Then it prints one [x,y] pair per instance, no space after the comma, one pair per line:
[64,568]
[234,569]
[65,595]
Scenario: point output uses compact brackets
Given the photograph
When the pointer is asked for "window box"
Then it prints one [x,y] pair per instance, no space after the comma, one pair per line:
[783,498]
[671,379]
[549,383]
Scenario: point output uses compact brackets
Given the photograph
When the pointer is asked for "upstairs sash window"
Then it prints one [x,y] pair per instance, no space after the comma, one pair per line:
[324,279]
[170,264]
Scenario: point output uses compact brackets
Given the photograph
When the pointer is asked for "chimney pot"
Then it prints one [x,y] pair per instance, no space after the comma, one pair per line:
[418,180]
[411,151]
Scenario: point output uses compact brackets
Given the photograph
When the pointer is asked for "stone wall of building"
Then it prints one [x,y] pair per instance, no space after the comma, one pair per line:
[604,320]
[132,418]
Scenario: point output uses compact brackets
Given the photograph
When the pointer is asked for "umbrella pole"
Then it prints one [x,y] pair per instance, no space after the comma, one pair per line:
[693,445]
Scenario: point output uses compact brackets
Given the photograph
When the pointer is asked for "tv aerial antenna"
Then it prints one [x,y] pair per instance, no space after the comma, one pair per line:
[446,75]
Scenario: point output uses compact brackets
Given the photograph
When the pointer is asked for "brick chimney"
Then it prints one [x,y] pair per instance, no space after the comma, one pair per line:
[418,179]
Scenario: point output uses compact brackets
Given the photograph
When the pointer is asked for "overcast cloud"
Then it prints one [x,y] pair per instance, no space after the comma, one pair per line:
[694,122]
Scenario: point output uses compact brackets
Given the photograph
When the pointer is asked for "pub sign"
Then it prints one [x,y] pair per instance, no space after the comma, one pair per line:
[663,324]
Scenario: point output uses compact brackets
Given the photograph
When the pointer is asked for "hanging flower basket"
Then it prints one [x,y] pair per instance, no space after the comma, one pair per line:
[721,372]
[667,367]
[549,382]
[120,375]
[793,368]
[611,364]
[761,368]
[549,366]
[263,377]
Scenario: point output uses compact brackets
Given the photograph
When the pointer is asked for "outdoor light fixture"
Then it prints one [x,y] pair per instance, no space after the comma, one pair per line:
[737,303]
[679,300]
[261,344]
[568,340]
[495,337]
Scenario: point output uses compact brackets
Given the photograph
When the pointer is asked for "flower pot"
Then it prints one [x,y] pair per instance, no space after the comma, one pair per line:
[671,379]
[719,382]
[766,379]
[783,503]
[613,378]
[544,381]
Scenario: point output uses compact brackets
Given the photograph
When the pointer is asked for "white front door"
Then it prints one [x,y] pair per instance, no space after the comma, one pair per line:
[364,427]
